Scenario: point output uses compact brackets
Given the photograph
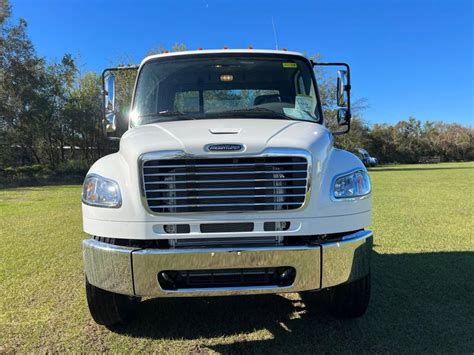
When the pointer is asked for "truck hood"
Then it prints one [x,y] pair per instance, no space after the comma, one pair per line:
[192,137]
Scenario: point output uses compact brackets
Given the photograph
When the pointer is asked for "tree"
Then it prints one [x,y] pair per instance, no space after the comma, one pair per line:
[59,80]
[5,11]
[21,78]
[83,114]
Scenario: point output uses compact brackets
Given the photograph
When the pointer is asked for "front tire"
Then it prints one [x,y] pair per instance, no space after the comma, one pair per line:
[108,308]
[348,300]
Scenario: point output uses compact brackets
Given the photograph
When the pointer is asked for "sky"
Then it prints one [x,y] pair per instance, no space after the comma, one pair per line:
[407,57]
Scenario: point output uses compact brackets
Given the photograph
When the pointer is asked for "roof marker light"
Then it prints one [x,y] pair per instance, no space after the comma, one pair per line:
[227,77]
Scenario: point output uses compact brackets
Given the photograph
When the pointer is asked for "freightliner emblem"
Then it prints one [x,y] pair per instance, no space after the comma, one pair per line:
[224,147]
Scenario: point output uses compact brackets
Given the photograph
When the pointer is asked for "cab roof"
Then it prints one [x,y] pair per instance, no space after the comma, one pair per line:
[219,51]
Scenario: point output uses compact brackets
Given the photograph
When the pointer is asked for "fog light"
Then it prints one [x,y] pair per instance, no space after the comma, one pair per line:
[286,276]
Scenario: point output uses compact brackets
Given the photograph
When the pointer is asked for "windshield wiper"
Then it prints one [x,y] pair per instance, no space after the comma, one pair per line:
[254,112]
[169,114]
[251,112]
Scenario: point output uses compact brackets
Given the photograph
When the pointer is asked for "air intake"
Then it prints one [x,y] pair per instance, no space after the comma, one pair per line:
[252,277]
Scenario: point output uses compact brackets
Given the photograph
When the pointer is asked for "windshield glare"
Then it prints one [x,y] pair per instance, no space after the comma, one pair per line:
[225,87]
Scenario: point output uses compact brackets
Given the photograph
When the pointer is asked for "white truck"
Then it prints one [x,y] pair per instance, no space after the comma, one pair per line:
[226,182]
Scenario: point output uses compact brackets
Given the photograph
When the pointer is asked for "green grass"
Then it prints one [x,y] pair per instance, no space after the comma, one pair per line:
[422,299]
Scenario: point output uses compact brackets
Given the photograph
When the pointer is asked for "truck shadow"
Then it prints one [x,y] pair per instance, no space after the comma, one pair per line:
[420,302]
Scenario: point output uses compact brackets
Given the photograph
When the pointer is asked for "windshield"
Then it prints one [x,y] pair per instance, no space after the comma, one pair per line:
[266,87]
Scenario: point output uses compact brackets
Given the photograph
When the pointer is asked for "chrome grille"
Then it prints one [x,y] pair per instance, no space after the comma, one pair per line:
[225,184]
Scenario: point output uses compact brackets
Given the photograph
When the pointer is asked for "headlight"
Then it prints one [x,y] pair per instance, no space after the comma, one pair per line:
[101,192]
[354,184]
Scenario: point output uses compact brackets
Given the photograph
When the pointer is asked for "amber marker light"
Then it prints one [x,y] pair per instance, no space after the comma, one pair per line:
[227,77]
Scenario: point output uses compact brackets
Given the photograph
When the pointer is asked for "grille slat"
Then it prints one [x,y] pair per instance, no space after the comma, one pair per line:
[221,165]
[225,184]
[226,173]
[228,180]
[224,196]
[229,189]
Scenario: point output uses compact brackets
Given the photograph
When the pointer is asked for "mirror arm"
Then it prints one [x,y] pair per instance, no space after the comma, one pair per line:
[128,67]
[348,128]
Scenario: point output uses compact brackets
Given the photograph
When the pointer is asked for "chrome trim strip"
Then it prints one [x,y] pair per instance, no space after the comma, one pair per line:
[239,180]
[220,196]
[220,165]
[357,235]
[233,188]
[179,154]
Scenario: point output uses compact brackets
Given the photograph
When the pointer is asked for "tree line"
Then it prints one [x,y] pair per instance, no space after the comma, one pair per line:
[50,114]
[411,141]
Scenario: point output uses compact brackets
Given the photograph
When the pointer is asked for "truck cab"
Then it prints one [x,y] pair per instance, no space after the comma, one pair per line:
[226,182]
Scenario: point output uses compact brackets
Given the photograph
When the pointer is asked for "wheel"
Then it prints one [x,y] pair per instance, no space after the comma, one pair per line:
[348,300]
[108,308]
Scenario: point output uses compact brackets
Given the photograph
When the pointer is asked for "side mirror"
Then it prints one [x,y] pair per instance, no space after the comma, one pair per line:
[342,92]
[343,98]
[109,103]
[110,122]
[117,89]
[343,116]
[343,95]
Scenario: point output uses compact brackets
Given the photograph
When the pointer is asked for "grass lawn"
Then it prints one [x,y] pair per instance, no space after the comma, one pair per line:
[422,297]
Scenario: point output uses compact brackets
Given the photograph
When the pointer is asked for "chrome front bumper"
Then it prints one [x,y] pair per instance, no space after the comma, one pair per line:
[133,271]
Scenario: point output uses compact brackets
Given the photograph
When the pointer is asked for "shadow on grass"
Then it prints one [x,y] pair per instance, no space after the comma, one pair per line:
[420,303]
